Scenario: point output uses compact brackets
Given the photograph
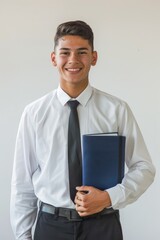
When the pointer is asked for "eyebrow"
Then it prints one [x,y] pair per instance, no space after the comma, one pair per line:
[78,49]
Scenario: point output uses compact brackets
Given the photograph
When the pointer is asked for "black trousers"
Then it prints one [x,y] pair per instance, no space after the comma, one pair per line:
[52,227]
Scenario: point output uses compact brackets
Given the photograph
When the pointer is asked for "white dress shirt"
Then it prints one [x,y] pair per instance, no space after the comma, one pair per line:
[41,163]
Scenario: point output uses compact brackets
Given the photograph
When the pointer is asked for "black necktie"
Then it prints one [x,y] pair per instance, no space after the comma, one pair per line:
[74,150]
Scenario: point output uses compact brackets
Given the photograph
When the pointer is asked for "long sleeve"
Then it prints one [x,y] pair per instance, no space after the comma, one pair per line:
[141,171]
[41,158]
[23,206]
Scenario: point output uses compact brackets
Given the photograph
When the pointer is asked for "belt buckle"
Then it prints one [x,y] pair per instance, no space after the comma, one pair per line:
[69,217]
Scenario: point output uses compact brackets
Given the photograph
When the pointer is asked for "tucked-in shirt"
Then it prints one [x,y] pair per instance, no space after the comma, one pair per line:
[40,169]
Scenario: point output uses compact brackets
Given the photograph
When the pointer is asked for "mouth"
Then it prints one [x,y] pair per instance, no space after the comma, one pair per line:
[73,70]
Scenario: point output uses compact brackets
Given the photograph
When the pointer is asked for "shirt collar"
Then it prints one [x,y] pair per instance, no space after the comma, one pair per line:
[82,98]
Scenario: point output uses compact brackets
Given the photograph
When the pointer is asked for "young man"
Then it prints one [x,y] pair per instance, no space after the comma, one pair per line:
[41,170]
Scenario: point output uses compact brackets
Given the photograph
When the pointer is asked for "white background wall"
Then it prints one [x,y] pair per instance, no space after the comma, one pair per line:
[127,37]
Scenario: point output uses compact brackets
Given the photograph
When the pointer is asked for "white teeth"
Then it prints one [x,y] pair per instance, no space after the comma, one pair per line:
[73,69]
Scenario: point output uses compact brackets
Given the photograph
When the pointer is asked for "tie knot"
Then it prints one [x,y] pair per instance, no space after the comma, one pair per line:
[73,104]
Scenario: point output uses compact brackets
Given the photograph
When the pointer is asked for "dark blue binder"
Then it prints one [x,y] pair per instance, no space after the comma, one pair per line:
[103,160]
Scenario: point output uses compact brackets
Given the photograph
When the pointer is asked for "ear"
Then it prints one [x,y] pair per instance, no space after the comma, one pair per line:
[94,58]
[53,59]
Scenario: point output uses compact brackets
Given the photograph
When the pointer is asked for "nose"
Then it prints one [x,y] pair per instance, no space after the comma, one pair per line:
[73,57]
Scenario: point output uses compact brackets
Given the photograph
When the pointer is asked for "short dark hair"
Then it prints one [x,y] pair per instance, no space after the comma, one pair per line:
[75,28]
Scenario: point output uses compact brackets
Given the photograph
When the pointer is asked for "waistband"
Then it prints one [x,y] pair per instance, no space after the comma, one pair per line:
[72,214]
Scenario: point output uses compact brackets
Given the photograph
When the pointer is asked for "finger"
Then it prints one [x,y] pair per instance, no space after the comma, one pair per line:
[80,195]
[84,214]
[80,208]
[78,201]
[84,188]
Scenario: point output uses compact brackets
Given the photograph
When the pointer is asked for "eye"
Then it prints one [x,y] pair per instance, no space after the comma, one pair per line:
[82,52]
[64,53]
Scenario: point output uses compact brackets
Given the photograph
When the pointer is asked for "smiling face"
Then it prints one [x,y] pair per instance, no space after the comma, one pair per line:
[73,57]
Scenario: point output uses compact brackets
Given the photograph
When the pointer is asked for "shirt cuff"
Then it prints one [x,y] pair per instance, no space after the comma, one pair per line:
[24,238]
[116,195]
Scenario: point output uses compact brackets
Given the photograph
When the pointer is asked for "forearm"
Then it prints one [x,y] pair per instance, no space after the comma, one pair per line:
[23,210]
[134,184]
[23,206]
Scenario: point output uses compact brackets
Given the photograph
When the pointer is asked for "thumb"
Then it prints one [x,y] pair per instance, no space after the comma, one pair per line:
[84,189]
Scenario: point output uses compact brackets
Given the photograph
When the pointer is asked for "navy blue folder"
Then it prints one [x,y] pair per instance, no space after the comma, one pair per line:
[103,160]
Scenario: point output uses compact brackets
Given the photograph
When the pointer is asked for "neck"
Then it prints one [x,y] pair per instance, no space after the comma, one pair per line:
[73,90]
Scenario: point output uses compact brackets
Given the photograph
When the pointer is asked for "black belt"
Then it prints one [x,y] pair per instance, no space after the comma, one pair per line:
[71,214]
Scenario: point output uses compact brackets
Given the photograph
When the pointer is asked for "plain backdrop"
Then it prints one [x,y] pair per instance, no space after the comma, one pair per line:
[127,38]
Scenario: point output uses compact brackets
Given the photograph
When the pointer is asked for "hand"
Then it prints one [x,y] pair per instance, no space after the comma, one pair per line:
[93,201]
